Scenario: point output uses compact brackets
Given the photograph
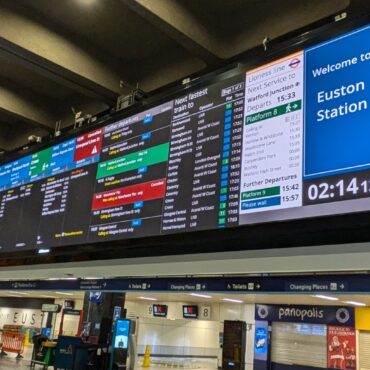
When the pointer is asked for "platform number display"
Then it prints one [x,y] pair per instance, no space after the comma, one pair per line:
[205,313]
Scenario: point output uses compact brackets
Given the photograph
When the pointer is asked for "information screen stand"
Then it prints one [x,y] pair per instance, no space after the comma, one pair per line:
[120,340]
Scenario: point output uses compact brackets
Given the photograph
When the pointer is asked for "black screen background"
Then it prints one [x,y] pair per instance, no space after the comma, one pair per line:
[325,230]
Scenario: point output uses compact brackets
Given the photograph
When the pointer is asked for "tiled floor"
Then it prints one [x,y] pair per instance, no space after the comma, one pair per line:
[10,362]
[7,364]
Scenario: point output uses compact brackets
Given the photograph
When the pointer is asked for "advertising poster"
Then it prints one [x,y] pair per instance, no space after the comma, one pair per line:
[341,347]
[261,340]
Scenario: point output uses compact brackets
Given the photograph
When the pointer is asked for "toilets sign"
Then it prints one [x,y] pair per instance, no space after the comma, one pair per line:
[334,315]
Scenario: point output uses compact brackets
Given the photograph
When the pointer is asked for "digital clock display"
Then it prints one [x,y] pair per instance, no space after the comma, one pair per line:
[339,187]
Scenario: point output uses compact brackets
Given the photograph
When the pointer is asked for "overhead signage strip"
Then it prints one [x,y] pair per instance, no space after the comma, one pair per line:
[246,285]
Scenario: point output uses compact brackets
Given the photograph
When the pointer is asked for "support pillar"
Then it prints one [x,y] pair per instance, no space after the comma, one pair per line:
[100,315]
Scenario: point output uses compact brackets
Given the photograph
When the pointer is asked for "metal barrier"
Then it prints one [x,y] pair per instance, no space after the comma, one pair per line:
[12,342]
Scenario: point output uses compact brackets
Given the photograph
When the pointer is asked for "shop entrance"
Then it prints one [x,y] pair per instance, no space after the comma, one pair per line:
[281,332]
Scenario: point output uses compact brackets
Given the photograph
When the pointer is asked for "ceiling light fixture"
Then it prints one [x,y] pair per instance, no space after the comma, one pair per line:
[200,295]
[232,300]
[87,2]
[354,303]
[148,298]
[325,297]
[64,293]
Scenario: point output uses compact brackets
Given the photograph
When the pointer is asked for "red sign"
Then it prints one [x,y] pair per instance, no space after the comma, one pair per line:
[130,194]
[88,145]
[341,347]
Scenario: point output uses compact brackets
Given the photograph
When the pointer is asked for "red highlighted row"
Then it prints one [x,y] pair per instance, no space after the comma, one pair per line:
[130,194]
[88,145]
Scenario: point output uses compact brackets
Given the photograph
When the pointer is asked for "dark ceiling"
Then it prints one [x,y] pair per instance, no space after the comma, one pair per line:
[59,54]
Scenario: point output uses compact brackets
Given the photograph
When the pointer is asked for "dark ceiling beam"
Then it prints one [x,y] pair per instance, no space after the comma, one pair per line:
[23,105]
[57,73]
[359,7]
[33,45]
[175,22]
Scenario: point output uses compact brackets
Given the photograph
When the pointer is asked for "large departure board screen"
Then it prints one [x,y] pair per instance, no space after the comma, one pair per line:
[284,140]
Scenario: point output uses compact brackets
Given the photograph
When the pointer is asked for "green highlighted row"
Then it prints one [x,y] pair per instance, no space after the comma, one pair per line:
[133,161]
[261,193]
[273,112]
[40,162]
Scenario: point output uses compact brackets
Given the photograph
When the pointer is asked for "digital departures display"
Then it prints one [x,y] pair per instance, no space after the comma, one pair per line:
[272,142]
[285,140]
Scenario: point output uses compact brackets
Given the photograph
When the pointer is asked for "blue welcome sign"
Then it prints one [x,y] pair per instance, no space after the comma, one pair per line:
[337,105]
[333,315]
